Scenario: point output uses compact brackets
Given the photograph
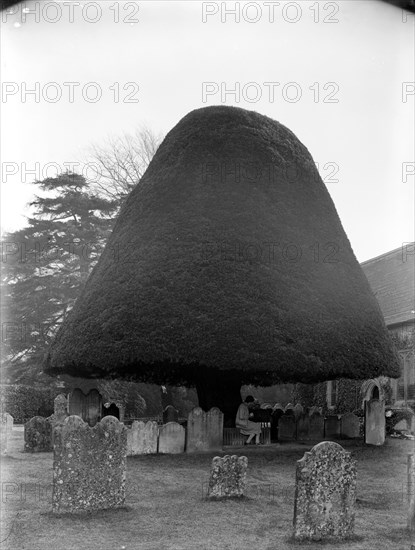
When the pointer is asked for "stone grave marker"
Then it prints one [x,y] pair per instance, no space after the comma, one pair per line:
[275,418]
[316,432]
[171,438]
[411,492]
[287,428]
[89,465]
[228,477]
[303,427]
[375,422]
[170,414]
[142,438]
[332,426]
[349,426]
[60,412]
[298,411]
[204,430]
[6,428]
[38,435]
[325,494]
[314,409]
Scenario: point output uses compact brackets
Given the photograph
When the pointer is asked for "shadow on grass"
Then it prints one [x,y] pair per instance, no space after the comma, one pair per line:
[107,513]
[330,541]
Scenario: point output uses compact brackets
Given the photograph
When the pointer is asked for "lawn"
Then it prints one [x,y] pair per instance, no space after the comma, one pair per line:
[166,509]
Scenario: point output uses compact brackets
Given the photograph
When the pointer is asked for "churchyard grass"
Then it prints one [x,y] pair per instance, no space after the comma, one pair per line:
[166,506]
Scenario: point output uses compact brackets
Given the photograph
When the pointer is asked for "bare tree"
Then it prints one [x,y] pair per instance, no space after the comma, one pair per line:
[119,164]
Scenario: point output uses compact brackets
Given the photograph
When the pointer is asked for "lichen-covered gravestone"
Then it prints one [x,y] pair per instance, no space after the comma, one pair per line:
[204,430]
[411,492]
[171,438]
[325,493]
[350,426]
[287,427]
[303,427]
[332,426]
[298,410]
[228,477]
[142,438]
[375,422]
[6,428]
[89,465]
[38,435]
[316,432]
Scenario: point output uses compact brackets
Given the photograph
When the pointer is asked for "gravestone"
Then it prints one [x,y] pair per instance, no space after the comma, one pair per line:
[170,414]
[275,418]
[303,428]
[375,422]
[298,411]
[228,477]
[60,412]
[6,428]
[349,426]
[316,432]
[38,435]
[60,406]
[171,438]
[314,409]
[325,493]
[332,427]
[142,438]
[289,407]
[287,428]
[411,492]
[89,465]
[204,430]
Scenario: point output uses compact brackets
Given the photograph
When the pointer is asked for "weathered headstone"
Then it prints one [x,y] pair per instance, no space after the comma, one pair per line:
[38,435]
[228,477]
[171,438]
[6,428]
[287,429]
[60,410]
[89,465]
[332,426]
[325,493]
[289,407]
[170,414]
[411,492]
[314,409]
[142,438]
[303,428]
[60,406]
[316,432]
[349,426]
[204,430]
[375,422]
[275,418]
[298,410]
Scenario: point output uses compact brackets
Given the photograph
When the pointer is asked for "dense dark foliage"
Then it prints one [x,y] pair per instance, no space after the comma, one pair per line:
[229,257]
[25,402]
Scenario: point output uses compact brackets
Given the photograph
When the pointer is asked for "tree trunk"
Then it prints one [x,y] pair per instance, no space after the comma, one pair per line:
[222,390]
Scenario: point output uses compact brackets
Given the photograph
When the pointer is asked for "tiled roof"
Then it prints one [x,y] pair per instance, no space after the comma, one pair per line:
[391,277]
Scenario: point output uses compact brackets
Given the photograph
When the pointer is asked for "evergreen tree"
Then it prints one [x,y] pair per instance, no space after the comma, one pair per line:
[45,266]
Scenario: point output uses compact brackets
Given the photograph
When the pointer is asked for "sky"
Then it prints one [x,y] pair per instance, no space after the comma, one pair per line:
[342,77]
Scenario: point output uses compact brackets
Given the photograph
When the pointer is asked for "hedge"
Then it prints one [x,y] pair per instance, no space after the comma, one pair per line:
[24,402]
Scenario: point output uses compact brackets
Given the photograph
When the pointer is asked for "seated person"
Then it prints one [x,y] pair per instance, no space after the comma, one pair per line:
[246,426]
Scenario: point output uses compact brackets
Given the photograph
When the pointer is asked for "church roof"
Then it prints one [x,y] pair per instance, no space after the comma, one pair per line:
[391,277]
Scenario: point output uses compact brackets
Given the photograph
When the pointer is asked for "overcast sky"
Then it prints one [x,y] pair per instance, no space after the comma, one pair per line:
[341,69]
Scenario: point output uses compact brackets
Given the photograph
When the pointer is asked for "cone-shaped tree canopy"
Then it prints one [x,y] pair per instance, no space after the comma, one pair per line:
[229,256]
